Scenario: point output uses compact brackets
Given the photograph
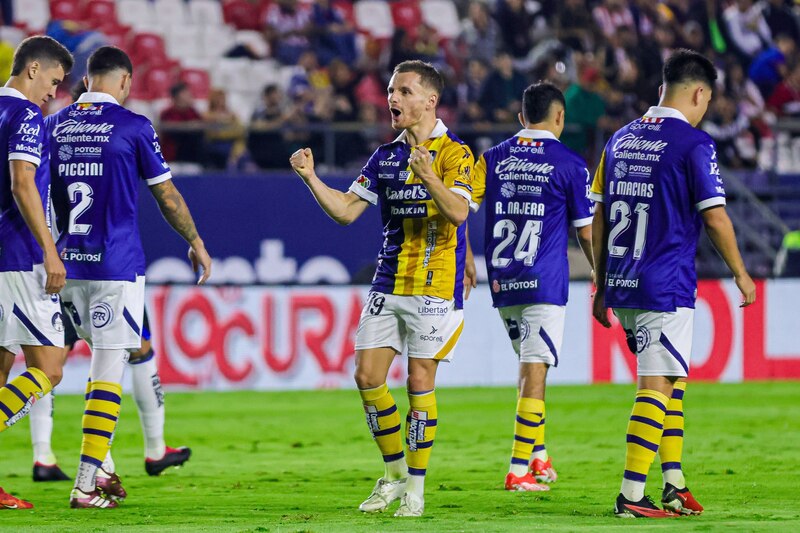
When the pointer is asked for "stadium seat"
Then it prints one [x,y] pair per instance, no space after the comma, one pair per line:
[206,13]
[34,14]
[173,11]
[12,35]
[198,81]
[143,107]
[215,41]
[147,48]
[138,14]
[244,15]
[157,81]
[183,41]
[99,12]
[116,34]
[442,16]
[65,10]
[406,14]
[243,104]
[232,73]
[375,18]
[254,40]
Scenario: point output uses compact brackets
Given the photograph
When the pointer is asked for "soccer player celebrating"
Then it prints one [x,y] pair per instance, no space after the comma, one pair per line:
[657,183]
[100,152]
[31,272]
[422,181]
[535,189]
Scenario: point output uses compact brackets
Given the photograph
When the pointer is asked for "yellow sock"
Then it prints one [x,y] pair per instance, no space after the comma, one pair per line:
[17,397]
[100,420]
[539,451]
[671,447]
[527,428]
[644,435]
[383,421]
[420,431]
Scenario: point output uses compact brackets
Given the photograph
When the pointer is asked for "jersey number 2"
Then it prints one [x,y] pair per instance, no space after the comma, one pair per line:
[80,196]
[527,246]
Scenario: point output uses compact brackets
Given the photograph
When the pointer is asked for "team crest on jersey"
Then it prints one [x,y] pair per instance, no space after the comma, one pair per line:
[363,181]
[620,170]
[65,152]
[58,321]
[101,314]
[508,189]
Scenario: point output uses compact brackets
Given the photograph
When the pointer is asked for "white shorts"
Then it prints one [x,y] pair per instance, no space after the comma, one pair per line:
[107,314]
[661,341]
[535,330]
[429,327]
[28,315]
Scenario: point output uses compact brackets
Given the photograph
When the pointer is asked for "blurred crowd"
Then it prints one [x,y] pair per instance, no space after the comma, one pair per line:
[606,55]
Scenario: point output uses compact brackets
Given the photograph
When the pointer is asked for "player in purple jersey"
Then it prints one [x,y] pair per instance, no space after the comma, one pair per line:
[657,184]
[31,272]
[100,153]
[535,189]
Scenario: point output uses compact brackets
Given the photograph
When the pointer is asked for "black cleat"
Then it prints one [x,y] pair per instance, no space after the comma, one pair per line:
[644,508]
[172,457]
[48,473]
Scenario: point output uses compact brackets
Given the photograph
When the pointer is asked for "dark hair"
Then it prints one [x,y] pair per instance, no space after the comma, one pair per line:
[538,99]
[686,66]
[177,89]
[40,48]
[77,90]
[429,76]
[108,59]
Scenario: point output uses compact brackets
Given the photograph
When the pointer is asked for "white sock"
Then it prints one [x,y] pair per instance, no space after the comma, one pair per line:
[41,416]
[675,478]
[541,455]
[518,470]
[108,462]
[85,481]
[632,490]
[416,485]
[149,397]
[395,470]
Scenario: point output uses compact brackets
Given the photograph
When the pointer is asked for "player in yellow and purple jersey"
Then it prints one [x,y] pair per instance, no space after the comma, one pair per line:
[421,181]
[657,184]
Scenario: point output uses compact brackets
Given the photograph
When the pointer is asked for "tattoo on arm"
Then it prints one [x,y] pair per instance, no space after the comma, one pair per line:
[174,209]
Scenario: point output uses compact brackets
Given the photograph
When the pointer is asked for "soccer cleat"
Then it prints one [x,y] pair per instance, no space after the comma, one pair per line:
[384,493]
[91,500]
[8,501]
[410,505]
[644,508]
[543,471]
[172,457]
[679,501]
[42,472]
[110,485]
[526,483]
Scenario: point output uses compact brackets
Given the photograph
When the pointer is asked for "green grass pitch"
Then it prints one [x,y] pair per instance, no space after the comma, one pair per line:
[299,461]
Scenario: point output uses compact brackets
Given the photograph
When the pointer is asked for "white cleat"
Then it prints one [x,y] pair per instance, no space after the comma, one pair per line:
[410,505]
[383,495]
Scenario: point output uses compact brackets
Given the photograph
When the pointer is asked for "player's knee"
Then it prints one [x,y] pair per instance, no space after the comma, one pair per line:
[419,382]
[365,379]
[54,374]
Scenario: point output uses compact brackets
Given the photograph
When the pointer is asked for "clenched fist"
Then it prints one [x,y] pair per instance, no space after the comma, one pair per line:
[302,162]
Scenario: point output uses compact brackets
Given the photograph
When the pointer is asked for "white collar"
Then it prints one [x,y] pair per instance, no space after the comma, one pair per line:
[438,130]
[665,112]
[10,91]
[536,134]
[97,97]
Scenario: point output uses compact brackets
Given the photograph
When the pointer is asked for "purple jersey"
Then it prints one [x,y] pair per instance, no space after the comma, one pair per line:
[535,189]
[100,153]
[655,177]
[22,131]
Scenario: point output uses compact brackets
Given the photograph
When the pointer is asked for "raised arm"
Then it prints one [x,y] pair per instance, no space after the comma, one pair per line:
[29,201]
[452,206]
[342,207]
[720,231]
[176,213]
